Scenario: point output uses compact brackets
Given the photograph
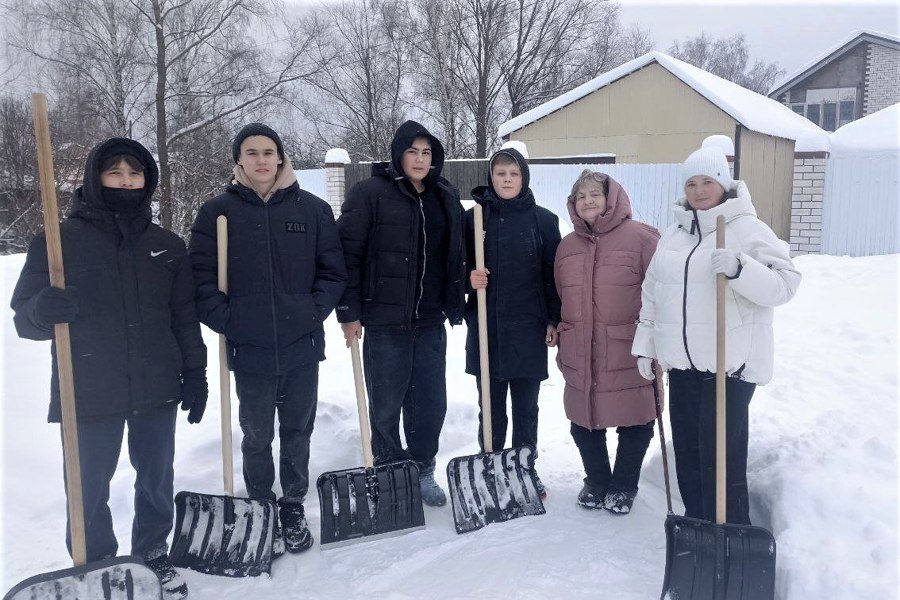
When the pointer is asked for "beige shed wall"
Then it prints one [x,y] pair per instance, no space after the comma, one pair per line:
[767,166]
[649,116]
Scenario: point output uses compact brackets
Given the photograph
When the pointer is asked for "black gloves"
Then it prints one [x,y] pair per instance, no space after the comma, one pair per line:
[194,391]
[54,305]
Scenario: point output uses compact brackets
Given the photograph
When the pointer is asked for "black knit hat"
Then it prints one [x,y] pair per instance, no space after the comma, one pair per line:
[255,129]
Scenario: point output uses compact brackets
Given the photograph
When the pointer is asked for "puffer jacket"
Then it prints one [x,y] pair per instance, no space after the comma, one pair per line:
[136,330]
[678,300]
[599,272]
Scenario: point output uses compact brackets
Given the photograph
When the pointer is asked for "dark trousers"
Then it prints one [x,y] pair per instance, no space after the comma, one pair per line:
[293,395]
[692,411]
[406,373]
[633,443]
[151,449]
[524,399]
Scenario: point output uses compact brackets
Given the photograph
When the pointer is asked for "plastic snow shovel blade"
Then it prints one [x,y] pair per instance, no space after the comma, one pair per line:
[706,561]
[121,578]
[369,503]
[222,535]
[493,487]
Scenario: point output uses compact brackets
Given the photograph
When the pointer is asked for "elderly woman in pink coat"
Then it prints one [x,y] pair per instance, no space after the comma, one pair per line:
[599,270]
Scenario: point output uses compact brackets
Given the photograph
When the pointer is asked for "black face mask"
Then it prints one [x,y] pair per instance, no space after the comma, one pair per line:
[123,200]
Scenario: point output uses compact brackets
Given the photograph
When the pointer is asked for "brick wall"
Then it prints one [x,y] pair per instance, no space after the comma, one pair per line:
[334,186]
[806,203]
[882,87]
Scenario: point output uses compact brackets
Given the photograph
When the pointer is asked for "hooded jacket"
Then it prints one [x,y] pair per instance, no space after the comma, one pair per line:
[678,299]
[599,271]
[383,233]
[520,242]
[285,273]
[136,330]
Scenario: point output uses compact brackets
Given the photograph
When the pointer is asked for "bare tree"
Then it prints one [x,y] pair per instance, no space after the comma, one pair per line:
[728,58]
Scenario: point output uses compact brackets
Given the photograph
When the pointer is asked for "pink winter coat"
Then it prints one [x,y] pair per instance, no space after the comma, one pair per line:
[598,275]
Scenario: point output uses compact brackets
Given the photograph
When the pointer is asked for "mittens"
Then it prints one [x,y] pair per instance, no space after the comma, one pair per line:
[54,305]
[645,366]
[194,392]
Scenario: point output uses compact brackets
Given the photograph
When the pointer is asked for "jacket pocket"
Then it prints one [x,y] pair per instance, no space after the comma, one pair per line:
[619,339]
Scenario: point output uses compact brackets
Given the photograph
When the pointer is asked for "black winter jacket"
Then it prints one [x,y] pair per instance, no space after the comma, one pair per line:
[285,276]
[381,225]
[136,330]
[520,247]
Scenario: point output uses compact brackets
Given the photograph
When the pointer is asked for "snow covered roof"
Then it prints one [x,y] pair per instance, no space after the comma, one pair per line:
[862,35]
[753,111]
[877,132]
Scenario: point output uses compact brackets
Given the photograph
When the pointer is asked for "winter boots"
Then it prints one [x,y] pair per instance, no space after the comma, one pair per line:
[295,533]
[619,501]
[591,497]
[173,585]
[432,494]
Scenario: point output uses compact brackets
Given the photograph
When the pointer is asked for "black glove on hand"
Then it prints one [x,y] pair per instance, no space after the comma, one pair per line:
[54,305]
[194,391]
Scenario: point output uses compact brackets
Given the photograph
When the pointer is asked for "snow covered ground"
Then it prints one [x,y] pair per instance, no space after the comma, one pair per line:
[823,472]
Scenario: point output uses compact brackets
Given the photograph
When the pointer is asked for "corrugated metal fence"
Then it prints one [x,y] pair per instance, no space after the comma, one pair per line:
[861,205]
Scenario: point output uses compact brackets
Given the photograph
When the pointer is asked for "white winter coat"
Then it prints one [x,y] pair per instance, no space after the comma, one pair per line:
[678,297]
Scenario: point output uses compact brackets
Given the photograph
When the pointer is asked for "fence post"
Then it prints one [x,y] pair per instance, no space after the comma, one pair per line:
[807,200]
[335,181]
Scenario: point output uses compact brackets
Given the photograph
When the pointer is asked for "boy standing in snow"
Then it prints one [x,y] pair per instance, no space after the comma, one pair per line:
[136,345]
[520,240]
[285,275]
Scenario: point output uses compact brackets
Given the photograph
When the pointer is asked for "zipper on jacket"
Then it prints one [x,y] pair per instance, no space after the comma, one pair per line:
[424,257]
[687,262]
[272,285]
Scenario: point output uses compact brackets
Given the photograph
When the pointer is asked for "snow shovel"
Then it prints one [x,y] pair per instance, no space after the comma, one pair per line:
[99,579]
[718,561]
[490,487]
[371,502]
[223,535]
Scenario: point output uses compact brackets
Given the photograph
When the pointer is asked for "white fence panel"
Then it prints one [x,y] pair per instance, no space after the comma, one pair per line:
[861,205]
[652,188]
[312,180]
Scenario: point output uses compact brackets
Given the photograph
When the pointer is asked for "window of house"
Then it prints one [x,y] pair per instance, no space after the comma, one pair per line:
[846,112]
[829,108]
[798,108]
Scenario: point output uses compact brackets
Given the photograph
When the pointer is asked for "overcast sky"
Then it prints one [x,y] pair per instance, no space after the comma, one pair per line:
[790,33]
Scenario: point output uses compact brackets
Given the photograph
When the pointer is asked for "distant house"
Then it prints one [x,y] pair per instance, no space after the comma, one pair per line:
[858,77]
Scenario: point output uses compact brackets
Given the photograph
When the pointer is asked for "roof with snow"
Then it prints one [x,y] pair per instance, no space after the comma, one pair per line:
[753,111]
[832,54]
[878,132]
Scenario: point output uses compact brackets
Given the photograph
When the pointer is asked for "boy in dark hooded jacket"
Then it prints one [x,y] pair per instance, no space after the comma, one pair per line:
[401,231]
[136,345]
[520,240]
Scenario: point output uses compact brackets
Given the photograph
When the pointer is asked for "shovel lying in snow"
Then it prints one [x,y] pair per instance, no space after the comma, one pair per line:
[490,487]
[123,578]
[370,502]
[718,561]
[223,535]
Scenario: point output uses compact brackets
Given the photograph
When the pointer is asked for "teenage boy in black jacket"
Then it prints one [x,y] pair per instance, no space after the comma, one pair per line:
[285,276]
[401,230]
[136,345]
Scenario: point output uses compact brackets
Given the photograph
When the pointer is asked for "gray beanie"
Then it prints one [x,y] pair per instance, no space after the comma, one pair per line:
[709,161]
[251,130]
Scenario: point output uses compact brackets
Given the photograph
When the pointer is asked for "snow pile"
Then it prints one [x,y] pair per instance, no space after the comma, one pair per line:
[873,134]
[337,156]
[823,472]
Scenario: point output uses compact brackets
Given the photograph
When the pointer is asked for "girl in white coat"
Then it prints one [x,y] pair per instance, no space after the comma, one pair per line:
[677,325]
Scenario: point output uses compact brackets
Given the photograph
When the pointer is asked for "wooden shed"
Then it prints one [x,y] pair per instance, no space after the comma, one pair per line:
[657,109]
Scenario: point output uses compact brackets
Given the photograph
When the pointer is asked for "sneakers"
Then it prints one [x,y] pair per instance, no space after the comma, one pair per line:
[539,485]
[432,494]
[173,585]
[294,529]
[591,497]
[618,501]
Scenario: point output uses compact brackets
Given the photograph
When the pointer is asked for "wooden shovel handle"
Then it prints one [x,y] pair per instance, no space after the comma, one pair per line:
[224,373]
[721,495]
[361,407]
[60,330]
[487,433]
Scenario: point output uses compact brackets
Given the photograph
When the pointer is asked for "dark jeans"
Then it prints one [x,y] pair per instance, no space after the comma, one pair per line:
[294,396]
[633,443]
[692,411]
[151,449]
[406,373]
[524,399]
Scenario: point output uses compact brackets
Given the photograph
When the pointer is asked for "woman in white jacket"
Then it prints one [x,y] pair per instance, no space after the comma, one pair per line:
[677,325]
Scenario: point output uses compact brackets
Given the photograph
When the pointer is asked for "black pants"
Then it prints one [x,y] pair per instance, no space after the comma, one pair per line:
[692,410]
[293,395]
[633,443]
[523,395]
[151,449]
[406,373]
